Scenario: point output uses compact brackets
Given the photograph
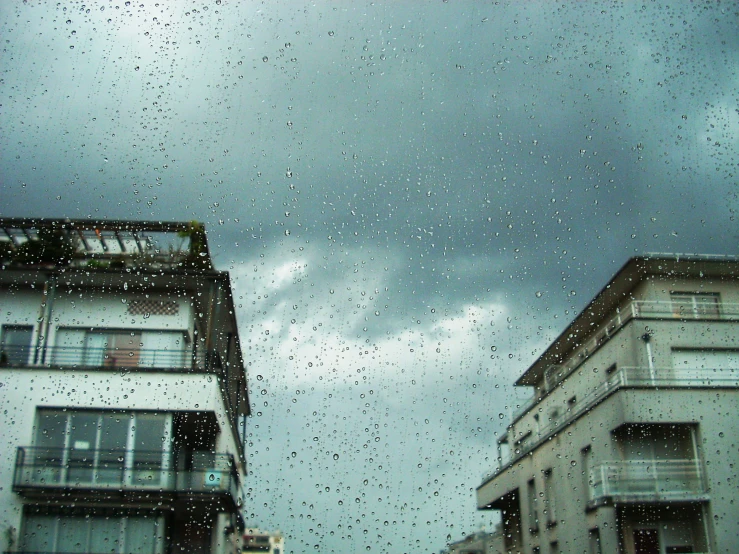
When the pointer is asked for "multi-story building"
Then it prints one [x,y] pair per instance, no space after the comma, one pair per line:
[478,543]
[122,390]
[255,541]
[629,443]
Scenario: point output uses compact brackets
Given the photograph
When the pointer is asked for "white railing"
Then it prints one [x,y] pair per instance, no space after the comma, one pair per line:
[623,377]
[647,480]
[642,309]
[633,310]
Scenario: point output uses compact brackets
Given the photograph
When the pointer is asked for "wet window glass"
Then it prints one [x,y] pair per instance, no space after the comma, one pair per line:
[470,248]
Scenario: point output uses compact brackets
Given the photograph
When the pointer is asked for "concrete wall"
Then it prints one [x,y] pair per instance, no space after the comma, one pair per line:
[560,466]
[23,391]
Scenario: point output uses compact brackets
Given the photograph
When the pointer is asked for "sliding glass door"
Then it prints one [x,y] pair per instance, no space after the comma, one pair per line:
[95,448]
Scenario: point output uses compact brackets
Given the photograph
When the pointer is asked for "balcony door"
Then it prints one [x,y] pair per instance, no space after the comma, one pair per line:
[123,348]
[98,449]
[646,541]
[659,459]
[112,348]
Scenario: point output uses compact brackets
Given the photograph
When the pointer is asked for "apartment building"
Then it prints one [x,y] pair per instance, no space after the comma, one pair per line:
[478,543]
[122,390]
[255,541]
[629,442]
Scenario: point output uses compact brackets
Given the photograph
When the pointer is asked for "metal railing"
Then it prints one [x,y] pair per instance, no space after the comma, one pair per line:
[88,357]
[640,480]
[623,377]
[202,473]
[707,310]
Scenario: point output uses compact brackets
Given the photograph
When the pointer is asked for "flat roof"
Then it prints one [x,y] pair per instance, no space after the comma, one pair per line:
[633,272]
[111,238]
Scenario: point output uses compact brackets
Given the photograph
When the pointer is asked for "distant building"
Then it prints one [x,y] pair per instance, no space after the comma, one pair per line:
[122,388]
[478,543]
[255,541]
[629,443]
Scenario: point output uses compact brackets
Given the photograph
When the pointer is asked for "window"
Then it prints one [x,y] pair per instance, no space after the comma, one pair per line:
[585,465]
[695,304]
[549,498]
[101,448]
[90,533]
[594,541]
[15,345]
[532,500]
[119,348]
[646,541]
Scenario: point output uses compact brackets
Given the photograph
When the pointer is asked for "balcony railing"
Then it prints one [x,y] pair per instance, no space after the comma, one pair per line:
[647,480]
[87,357]
[41,470]
[623,377]
[701,310]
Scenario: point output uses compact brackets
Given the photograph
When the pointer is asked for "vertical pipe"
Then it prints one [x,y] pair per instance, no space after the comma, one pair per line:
[47,305]
[650,362]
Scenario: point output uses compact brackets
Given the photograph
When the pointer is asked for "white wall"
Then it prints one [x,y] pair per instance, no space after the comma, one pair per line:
[22,391]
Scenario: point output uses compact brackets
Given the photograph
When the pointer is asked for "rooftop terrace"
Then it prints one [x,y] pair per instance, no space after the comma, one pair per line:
[103,244]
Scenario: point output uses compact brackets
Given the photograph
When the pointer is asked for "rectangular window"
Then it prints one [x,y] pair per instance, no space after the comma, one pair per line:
[594,541]
[531,497]
[86,447]
[112,348]
[118,535]
[695,305]
[646,541]
[587,481]
[549,498]
[15,345]
[119,348]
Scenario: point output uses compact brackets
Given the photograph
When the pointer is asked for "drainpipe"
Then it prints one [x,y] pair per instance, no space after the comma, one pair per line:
[47,304]
[647,337]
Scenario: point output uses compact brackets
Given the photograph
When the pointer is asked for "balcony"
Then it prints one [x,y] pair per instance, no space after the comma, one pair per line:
[40,472]
[623,377]
[637,309]
[647,481]
[107,358]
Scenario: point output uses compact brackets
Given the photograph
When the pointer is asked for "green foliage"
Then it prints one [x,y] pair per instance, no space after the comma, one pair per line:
[198,257]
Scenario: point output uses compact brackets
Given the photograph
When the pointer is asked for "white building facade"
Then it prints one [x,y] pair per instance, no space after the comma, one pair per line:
[255,541]
[122,388]
[629,443]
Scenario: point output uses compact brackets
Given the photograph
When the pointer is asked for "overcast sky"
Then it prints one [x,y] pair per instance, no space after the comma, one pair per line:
[413,199]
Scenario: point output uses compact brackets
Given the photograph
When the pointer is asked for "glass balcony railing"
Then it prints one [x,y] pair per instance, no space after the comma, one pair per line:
[647,480]
[623,377]
[204,474]
[86,357]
